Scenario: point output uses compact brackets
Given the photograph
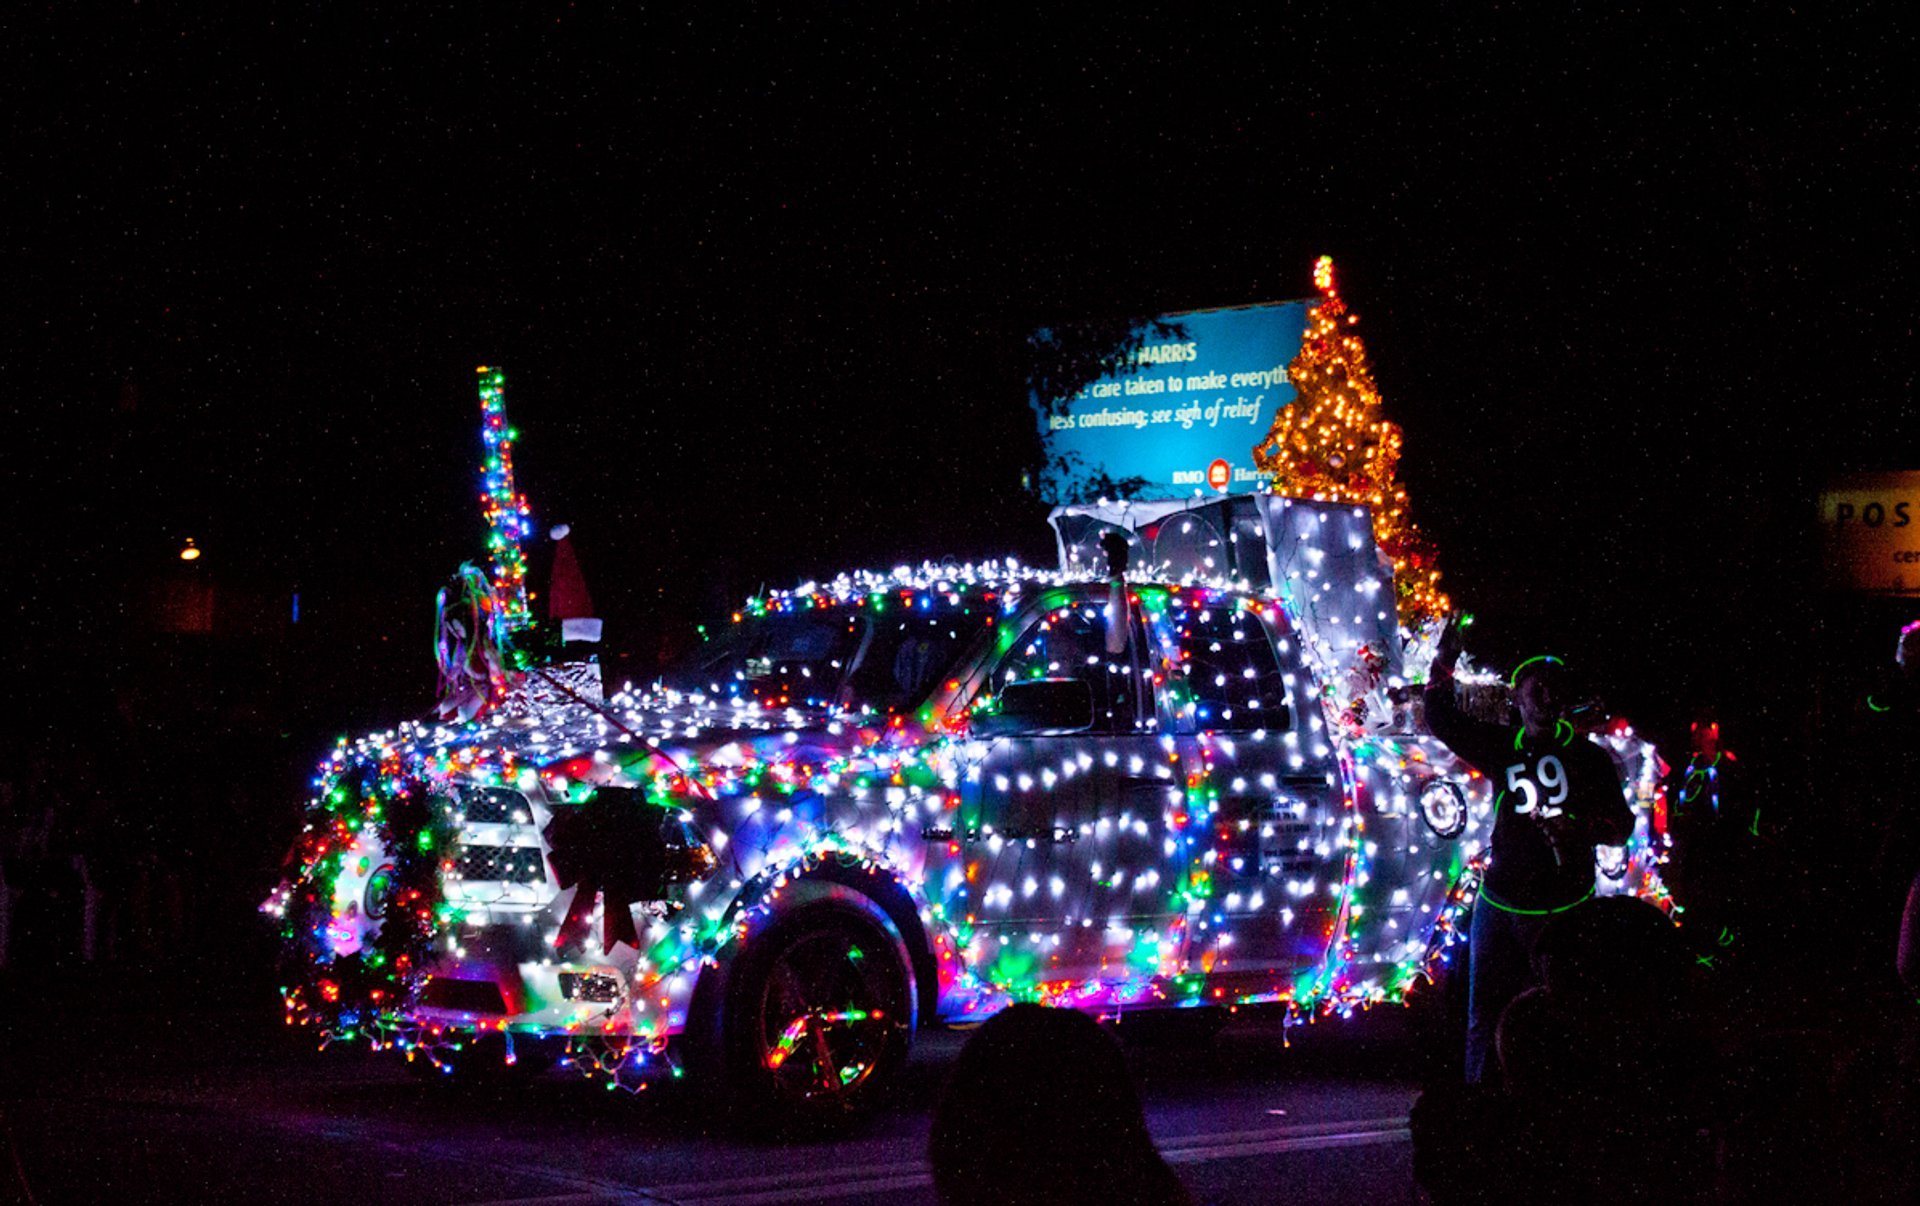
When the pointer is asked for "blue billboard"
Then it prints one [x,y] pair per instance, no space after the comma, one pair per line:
[1183,415]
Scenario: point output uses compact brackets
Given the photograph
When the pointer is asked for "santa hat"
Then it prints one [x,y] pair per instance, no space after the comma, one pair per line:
[567,597]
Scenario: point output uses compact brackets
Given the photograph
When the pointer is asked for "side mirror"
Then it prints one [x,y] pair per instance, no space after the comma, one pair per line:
[1038,705]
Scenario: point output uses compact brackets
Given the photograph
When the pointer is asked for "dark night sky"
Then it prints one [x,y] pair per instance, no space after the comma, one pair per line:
[760,279]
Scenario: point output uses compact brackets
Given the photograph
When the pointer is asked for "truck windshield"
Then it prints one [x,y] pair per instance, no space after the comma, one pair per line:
[886,655]
[776,660]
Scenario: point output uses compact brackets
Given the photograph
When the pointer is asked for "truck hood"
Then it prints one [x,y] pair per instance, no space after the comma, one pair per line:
[689,745]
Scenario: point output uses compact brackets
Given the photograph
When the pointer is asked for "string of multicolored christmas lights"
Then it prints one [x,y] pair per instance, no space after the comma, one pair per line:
[509,521]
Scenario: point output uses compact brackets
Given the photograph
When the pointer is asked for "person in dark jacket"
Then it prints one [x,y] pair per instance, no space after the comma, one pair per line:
[1897,705]
[1558,796]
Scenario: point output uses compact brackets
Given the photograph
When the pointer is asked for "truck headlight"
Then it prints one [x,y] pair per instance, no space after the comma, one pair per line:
[1444,808]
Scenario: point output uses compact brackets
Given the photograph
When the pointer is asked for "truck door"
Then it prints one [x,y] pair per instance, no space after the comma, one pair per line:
[1264,790]
[1066,880]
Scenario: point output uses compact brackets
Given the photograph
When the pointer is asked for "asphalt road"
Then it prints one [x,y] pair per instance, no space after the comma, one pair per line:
[179,1104]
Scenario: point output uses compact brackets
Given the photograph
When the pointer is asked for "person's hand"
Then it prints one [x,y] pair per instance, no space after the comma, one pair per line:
[1567,837]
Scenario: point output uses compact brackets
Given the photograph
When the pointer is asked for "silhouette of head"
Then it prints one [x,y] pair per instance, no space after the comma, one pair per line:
[1618,953]
[1538,689]
[1535,1045]
[1041,1109]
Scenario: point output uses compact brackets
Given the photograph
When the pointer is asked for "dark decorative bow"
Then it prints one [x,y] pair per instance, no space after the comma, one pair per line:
[608,846]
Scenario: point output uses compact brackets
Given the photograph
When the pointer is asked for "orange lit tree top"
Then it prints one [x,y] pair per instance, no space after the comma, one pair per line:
[1330,443]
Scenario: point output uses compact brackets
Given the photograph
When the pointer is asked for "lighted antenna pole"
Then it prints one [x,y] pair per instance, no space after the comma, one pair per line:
[508,519]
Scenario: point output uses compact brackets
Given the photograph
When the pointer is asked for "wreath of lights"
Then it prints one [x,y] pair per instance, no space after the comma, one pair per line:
[362,903]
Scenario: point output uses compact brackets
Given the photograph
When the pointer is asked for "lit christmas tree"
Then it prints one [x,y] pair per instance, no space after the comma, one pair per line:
[1331,443]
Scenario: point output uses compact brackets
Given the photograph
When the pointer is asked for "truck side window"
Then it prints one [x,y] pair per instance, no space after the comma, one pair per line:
[1070,642]
[1233,680]
[910,650]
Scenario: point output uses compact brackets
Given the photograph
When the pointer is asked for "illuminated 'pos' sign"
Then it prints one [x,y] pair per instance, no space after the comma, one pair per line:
[1870,530]
[1185,412]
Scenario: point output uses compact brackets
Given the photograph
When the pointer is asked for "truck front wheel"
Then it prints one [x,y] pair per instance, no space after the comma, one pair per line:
[819,1016]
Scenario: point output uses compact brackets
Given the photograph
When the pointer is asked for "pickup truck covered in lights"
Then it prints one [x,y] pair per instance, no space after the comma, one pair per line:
[901,799]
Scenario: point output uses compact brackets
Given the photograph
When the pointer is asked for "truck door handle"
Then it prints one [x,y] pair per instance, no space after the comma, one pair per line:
[948,833]
[1054,834]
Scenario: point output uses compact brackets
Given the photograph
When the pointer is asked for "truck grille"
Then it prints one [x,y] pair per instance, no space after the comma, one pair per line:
[493,805]
[509,864]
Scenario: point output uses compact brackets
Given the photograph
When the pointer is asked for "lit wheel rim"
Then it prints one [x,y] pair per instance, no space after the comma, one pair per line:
[1444,808]
[830,1013]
